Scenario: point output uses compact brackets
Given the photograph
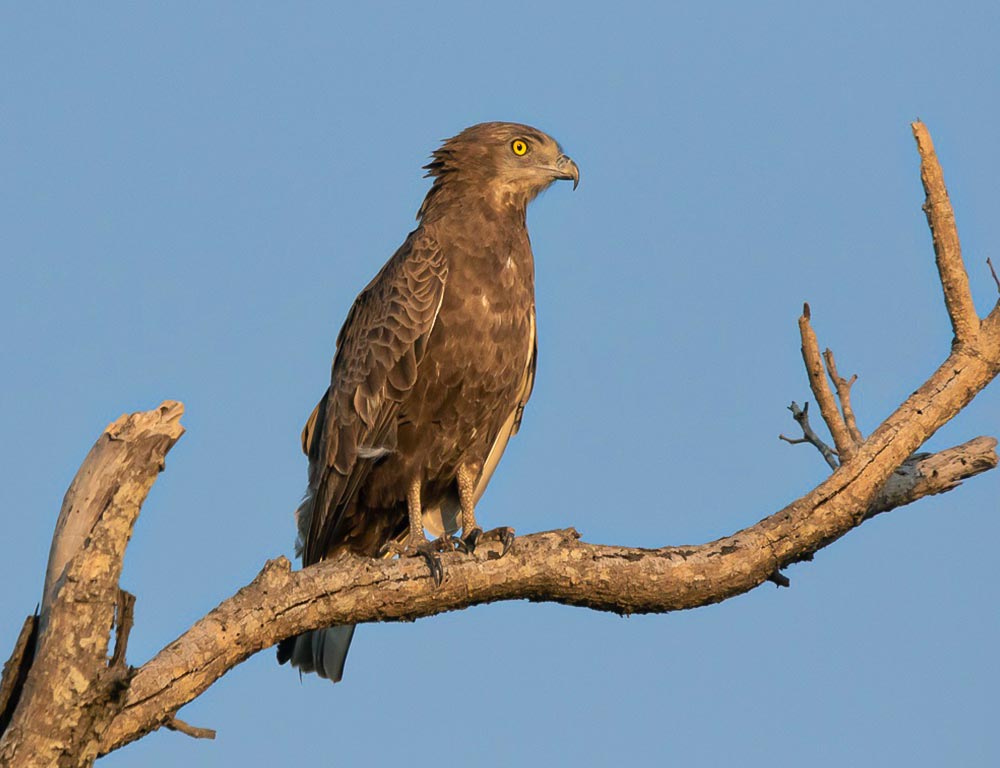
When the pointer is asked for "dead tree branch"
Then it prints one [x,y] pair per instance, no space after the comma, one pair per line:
[69,693]
[821,389]
[75,704]
[176,724]
[947,249]
[801,415]
[928,474]
[844,396]
[543,567]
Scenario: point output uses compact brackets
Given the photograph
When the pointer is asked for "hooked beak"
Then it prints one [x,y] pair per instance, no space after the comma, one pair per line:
[566,169]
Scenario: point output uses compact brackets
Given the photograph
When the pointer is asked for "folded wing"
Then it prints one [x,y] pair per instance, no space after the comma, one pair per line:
[379,350]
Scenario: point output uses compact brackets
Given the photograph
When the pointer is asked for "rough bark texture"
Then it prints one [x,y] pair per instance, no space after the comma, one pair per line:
[821,389]
[947,250]
[69,693]
[75,704]
[543,567]
[15,671]
[927,474]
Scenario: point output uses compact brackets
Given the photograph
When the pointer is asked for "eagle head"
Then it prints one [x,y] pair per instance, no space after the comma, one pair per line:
[506,161]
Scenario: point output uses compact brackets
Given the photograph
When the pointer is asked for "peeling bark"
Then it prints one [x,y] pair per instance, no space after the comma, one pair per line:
[71,692]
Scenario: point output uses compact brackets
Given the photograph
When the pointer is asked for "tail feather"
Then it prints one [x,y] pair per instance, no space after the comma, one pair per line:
[322,651]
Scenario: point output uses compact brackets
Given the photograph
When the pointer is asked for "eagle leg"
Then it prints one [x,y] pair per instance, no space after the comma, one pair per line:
[472,534]
[467,499]
[416,544]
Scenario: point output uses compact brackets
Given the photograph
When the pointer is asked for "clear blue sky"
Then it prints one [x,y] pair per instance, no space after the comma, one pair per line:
[190,198]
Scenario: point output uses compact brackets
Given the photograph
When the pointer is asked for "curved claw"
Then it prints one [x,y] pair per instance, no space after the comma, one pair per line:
[504,535]
[445,543]
[467,543]
[472,539]
[428,550]
[433,561]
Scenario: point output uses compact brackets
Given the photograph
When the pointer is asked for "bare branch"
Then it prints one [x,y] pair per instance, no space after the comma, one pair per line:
[928,474]
[176,724]
[821,389]
[779,579]
[947,249]
[554,566]
[994,273]
[801,415]
[64,703]
[844,395]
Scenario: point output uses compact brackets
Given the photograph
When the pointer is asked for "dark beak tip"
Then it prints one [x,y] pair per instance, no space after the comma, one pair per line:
[571,169]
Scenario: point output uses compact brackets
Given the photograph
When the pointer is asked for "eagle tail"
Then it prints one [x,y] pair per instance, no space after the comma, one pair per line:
[322,651]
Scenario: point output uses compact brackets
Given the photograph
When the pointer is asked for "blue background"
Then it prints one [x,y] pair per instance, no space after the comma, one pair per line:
[191,196]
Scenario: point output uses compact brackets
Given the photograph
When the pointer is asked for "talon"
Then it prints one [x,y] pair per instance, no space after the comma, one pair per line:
[426,549]
[389,549]
[504,535]
[470,540]
[475,536]
[445,543]
[508,542]
[434,564]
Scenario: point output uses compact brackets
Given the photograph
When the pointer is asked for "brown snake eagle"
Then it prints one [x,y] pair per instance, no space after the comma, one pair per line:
[434,365]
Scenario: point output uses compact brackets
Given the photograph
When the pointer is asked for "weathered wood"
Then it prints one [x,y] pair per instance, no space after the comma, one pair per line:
[550,567]
[844,396]
[70,691]
[928,474]
[15,671]
[842,439]
[947,249]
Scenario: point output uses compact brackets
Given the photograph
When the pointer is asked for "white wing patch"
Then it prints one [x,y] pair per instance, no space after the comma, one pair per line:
[372,451]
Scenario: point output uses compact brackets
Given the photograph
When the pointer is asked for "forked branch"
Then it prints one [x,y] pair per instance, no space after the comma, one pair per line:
[844,396]
[821,389]
[801,415]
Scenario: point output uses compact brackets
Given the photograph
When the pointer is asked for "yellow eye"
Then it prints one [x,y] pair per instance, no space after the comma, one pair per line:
[519,147]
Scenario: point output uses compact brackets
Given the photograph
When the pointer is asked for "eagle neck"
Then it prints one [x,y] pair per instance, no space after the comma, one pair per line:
[483,235]
[456,200]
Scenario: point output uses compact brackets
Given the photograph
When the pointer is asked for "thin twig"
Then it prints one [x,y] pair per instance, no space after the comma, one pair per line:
[176,724]
[844,395]
[821,389]
[947,249]
[994,273]
[779,579]
[792,440]
[801,415]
